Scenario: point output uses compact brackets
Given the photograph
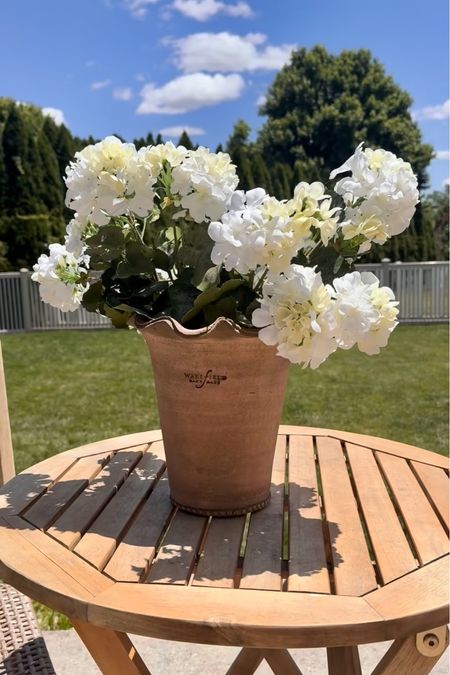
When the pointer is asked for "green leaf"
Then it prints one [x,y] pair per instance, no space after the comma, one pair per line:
[93,297]
[107,244]
[182,295]
[225,307]
[118,318]
[138,260]
[209,296]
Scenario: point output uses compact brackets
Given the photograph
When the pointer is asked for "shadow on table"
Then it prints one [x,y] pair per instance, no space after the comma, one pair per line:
[169,546]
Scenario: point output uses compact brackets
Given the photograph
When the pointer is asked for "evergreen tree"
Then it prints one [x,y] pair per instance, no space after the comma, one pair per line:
[185,141]
[159,139]
[321,106]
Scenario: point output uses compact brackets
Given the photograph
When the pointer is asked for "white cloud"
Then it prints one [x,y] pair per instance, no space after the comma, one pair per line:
[138,8]
[433,112]
[96,86]
[89,64]
[261,100]
[190,92]
[442,154]
[139,77]
[56,115]
[123,94]
[175,132]
[225,52]
[202,10]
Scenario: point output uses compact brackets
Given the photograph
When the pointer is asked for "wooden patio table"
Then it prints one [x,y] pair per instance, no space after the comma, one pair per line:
[352,549]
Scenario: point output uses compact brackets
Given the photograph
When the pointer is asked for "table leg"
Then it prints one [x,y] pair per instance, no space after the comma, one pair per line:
[113,652]
[246,662]
[416,654]
[281,662]
[343,661]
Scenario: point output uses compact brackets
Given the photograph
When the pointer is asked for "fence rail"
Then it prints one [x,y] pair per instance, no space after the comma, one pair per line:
[422,290]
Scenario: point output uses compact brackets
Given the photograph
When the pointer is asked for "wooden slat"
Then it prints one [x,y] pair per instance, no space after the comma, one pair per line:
[176,557]
[263,553]
[392,552]
[127,442]
[78,569]
[218,563]
[137,549]
[7,469]
[45,510]
[373,442]
[100,541]
[427,533]
[352,566]
[70,526]
[435,482]
[266,619]
[307,561]
[416,600]
[32,572]
[32,482]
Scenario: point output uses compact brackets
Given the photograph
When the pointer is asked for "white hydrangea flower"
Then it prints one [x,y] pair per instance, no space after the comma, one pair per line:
[205,182]
[260,230]
[155,155]
[380,195]
[73,239]
[109,179]
[311,209]
[365,314]
[295,315]
[59,277]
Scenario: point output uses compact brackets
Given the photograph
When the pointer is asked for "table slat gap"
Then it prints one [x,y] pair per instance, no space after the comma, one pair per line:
[427,533]
[262,562]
[308,563]
[425,478]
[145,497]
[200,551]
[48,487]
[74,515]
[46,510]
[219,561]
[407,574]
[101,540]
[397,509]
[362,518]
[353,569]
[132,558]
[174,561]
[328,548]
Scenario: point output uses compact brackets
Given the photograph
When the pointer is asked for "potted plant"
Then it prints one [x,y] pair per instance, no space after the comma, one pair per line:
[227,288]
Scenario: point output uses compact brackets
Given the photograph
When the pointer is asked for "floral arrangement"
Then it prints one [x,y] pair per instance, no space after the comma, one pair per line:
[163,231]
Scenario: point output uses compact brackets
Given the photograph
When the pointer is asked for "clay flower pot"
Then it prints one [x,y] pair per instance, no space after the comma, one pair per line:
[220,393]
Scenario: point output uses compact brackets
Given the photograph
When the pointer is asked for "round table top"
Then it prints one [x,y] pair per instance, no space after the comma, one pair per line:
[351,549]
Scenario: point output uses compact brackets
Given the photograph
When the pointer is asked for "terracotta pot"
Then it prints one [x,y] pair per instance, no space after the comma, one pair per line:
[220,393]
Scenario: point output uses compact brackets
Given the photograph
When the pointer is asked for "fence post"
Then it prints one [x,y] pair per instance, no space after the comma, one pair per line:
[25,298]
[384,281]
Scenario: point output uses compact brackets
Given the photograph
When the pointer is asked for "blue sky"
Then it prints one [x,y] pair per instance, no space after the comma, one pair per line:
[133,66]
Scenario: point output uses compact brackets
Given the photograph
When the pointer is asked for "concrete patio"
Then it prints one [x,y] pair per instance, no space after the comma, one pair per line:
[178,658]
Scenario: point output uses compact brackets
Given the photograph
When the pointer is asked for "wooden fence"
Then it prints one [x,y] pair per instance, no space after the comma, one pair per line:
[421,288]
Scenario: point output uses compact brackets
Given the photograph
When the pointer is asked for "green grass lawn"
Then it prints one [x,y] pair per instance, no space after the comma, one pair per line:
[66,388]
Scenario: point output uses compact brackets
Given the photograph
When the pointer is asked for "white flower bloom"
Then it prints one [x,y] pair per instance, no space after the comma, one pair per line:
[295,315]
[380,195]
[205,182]
[59,277]
[365,314]
[74,232]
[109,179]
[155,155]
